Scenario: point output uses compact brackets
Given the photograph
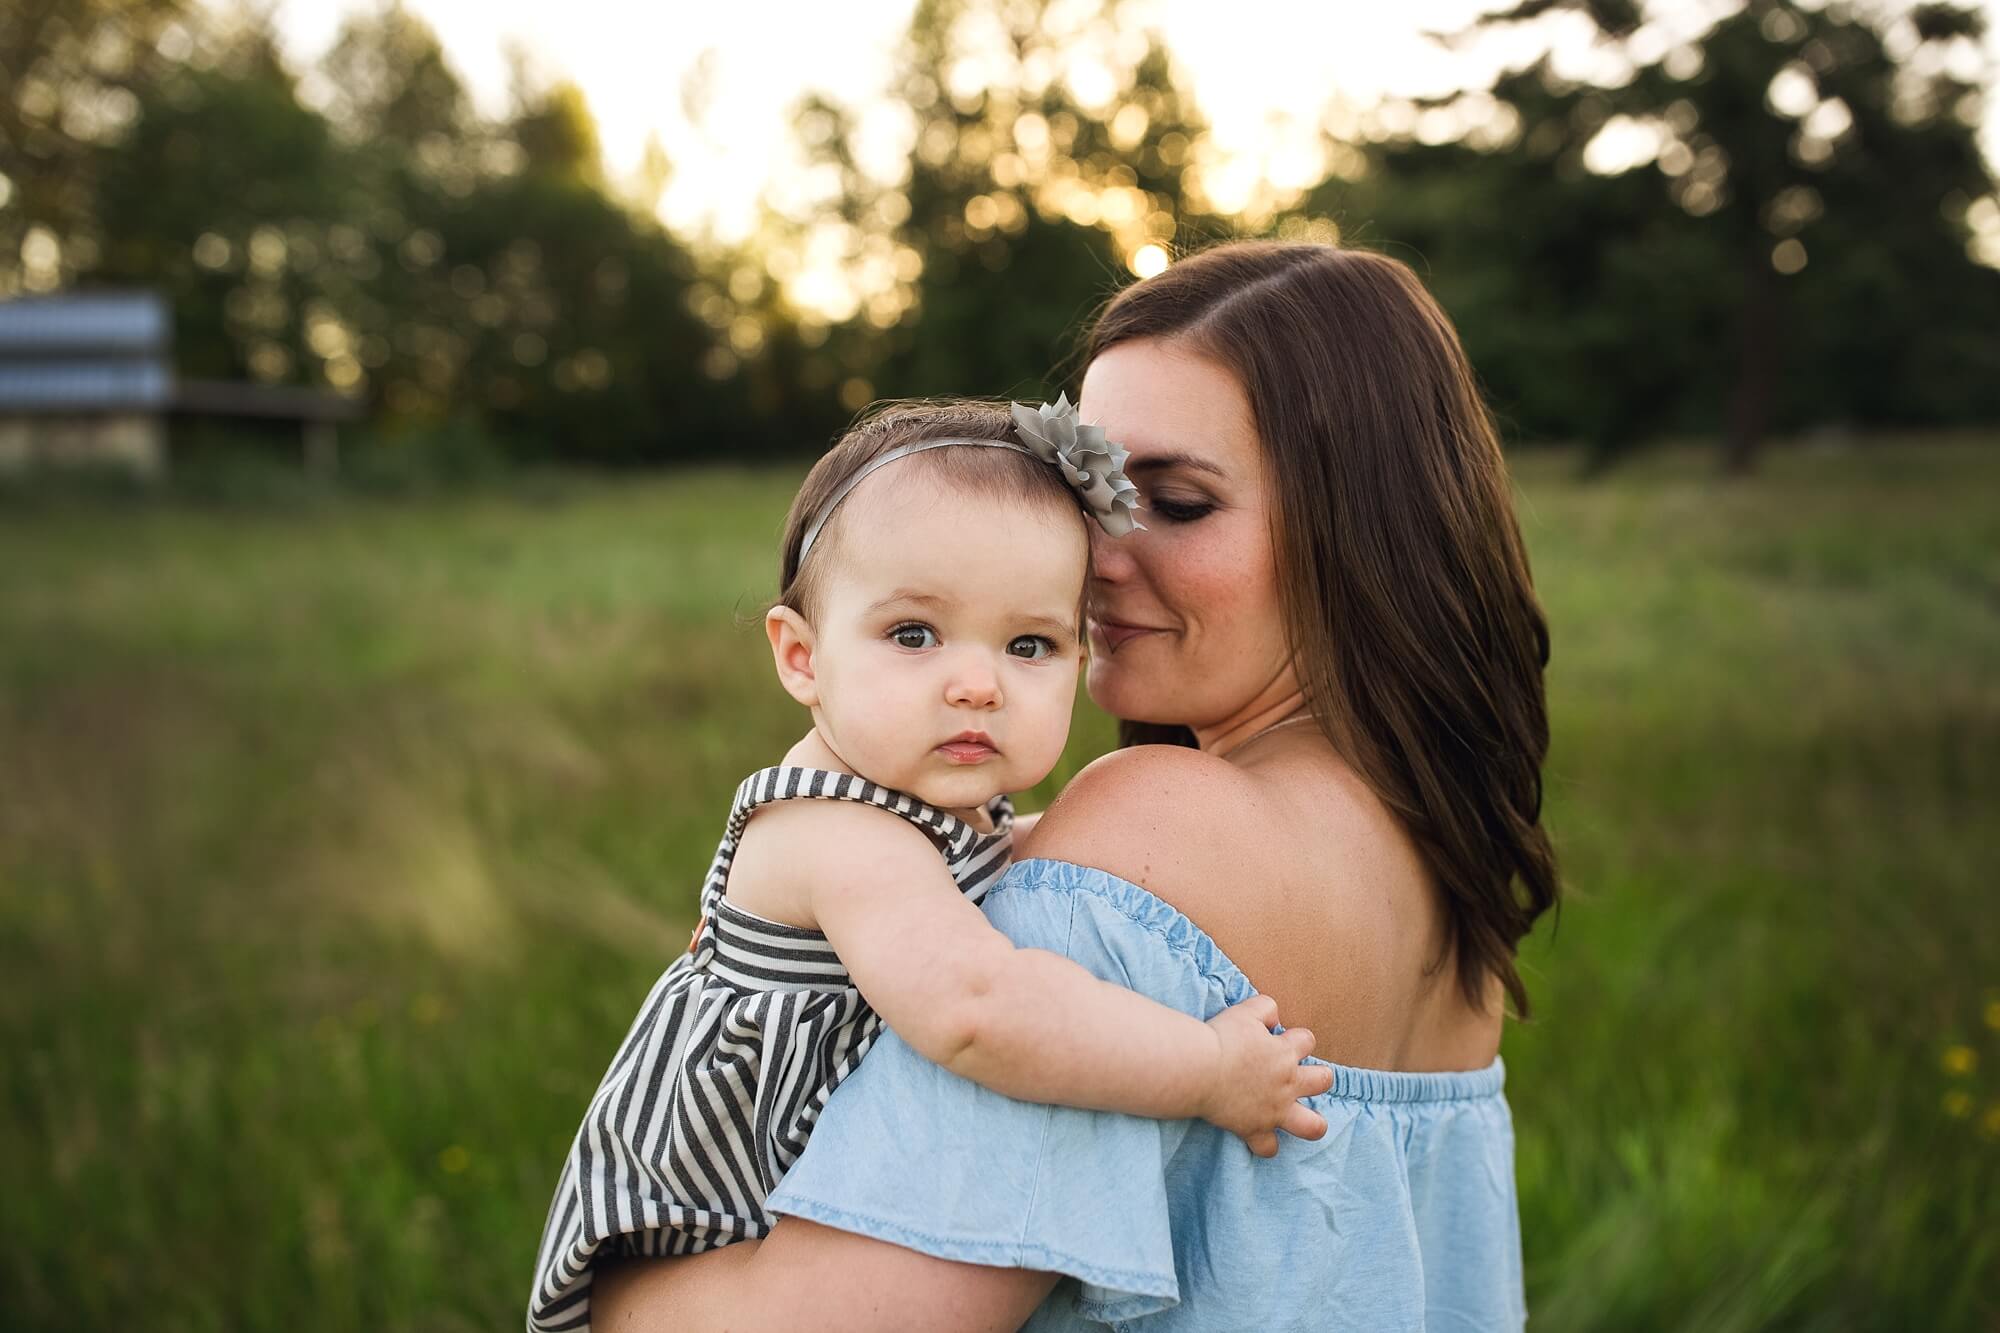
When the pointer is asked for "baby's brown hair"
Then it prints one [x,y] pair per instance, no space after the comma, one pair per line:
[1000,474]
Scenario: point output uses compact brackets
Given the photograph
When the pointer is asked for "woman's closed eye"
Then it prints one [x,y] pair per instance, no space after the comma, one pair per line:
[1179,510]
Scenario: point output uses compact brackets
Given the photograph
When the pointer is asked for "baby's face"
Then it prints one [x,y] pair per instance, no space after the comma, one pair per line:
[945,615]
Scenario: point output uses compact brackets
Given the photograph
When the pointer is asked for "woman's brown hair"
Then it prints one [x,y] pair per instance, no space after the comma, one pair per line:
[1414,627]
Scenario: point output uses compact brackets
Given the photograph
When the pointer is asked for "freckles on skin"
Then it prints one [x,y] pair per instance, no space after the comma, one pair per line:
[1207,579]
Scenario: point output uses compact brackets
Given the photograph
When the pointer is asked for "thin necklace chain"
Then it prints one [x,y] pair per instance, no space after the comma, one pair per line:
[1281,722]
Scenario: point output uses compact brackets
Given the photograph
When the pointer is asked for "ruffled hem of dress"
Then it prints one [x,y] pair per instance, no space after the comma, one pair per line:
[1154,914]
[1137,1292]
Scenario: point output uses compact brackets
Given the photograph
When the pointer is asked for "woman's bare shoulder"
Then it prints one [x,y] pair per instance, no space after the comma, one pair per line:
[1165,817]
[1295,869]
[1201,832]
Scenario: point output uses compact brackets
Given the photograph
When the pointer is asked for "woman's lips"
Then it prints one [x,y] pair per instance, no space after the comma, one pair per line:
[967,752]
[1117,635]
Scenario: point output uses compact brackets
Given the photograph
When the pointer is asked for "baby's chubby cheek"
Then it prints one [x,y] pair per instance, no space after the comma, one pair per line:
[1039,739]
[889,748]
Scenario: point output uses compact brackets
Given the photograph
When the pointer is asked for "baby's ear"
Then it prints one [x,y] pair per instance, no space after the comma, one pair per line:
[792,653]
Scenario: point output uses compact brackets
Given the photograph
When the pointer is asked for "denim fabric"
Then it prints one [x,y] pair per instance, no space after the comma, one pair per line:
[1402,1217]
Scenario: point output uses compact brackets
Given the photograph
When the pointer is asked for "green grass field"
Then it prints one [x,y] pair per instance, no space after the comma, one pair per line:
[339,841]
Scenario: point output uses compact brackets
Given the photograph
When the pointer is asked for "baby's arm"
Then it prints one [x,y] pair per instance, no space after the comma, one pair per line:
[1030,1023]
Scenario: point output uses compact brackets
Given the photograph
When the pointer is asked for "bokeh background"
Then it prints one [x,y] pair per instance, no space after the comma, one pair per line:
[350,800]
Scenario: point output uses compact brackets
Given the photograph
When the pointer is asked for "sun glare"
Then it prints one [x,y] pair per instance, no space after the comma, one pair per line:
[708,91]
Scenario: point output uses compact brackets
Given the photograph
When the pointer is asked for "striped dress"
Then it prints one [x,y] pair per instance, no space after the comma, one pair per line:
[715,1089]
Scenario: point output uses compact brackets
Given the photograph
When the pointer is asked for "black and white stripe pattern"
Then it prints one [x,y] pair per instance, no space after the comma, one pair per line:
[716,1087]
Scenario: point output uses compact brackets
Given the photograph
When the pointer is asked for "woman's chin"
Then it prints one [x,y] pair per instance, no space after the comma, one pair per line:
[1113,688]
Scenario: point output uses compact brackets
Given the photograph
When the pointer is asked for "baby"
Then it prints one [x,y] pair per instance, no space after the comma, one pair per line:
[934,568]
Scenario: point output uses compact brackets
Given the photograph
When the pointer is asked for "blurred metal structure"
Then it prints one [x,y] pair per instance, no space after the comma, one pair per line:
[87,378]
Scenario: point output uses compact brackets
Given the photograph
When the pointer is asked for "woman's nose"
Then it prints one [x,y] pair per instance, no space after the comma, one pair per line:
[974,683]
[1111,557]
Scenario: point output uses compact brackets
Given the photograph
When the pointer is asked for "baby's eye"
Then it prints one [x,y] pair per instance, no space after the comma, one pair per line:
[1035,645]
[914,636]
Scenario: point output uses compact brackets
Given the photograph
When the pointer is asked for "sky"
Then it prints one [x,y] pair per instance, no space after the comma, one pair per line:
[1263,71]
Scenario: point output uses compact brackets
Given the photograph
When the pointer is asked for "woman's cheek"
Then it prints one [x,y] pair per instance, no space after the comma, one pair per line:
[1226,598]
[1240,581]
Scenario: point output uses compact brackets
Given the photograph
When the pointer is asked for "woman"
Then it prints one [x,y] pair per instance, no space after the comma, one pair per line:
[1328,631]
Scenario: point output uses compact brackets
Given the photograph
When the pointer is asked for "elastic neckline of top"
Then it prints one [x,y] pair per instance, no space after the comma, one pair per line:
[1178,931]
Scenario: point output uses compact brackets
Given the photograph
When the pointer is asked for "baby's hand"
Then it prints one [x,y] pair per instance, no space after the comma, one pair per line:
[1258,1077]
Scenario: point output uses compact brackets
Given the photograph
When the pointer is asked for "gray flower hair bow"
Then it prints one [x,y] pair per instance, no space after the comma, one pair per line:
[1091,464]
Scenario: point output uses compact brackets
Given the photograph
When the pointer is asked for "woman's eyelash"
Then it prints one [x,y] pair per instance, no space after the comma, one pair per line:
[1178,512]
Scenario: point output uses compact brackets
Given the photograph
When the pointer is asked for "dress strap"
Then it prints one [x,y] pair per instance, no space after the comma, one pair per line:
[953,836]
[974,858]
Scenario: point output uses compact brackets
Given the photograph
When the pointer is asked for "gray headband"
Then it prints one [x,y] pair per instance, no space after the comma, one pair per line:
[1092,466]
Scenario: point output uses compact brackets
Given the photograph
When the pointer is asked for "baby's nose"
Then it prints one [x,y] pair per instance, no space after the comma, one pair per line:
[974,684]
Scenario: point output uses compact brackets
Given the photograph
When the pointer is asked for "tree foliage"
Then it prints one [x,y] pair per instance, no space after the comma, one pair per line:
[394,247]
[71,72]
[1761,267]
[1789,248]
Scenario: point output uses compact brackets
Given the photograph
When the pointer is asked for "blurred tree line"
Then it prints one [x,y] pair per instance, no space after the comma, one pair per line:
[1762,227]
[1788,249]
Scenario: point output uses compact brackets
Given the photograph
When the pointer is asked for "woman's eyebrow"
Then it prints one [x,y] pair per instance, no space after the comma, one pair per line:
[1161,462]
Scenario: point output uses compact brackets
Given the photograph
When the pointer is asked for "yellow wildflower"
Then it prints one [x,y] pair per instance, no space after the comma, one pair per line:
[1989,1124]
[1993,1014]
[455,1159]
[1957,1105]
[426,1008]
[1959,1060]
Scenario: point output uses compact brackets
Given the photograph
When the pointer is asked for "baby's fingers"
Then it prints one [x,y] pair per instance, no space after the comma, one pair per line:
[1301,1040]
[1303,1122]
[1312,1080]
[1265,1142]
[1260,1007]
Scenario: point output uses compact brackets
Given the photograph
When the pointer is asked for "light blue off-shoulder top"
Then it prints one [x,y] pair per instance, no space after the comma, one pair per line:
[1402,1217]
